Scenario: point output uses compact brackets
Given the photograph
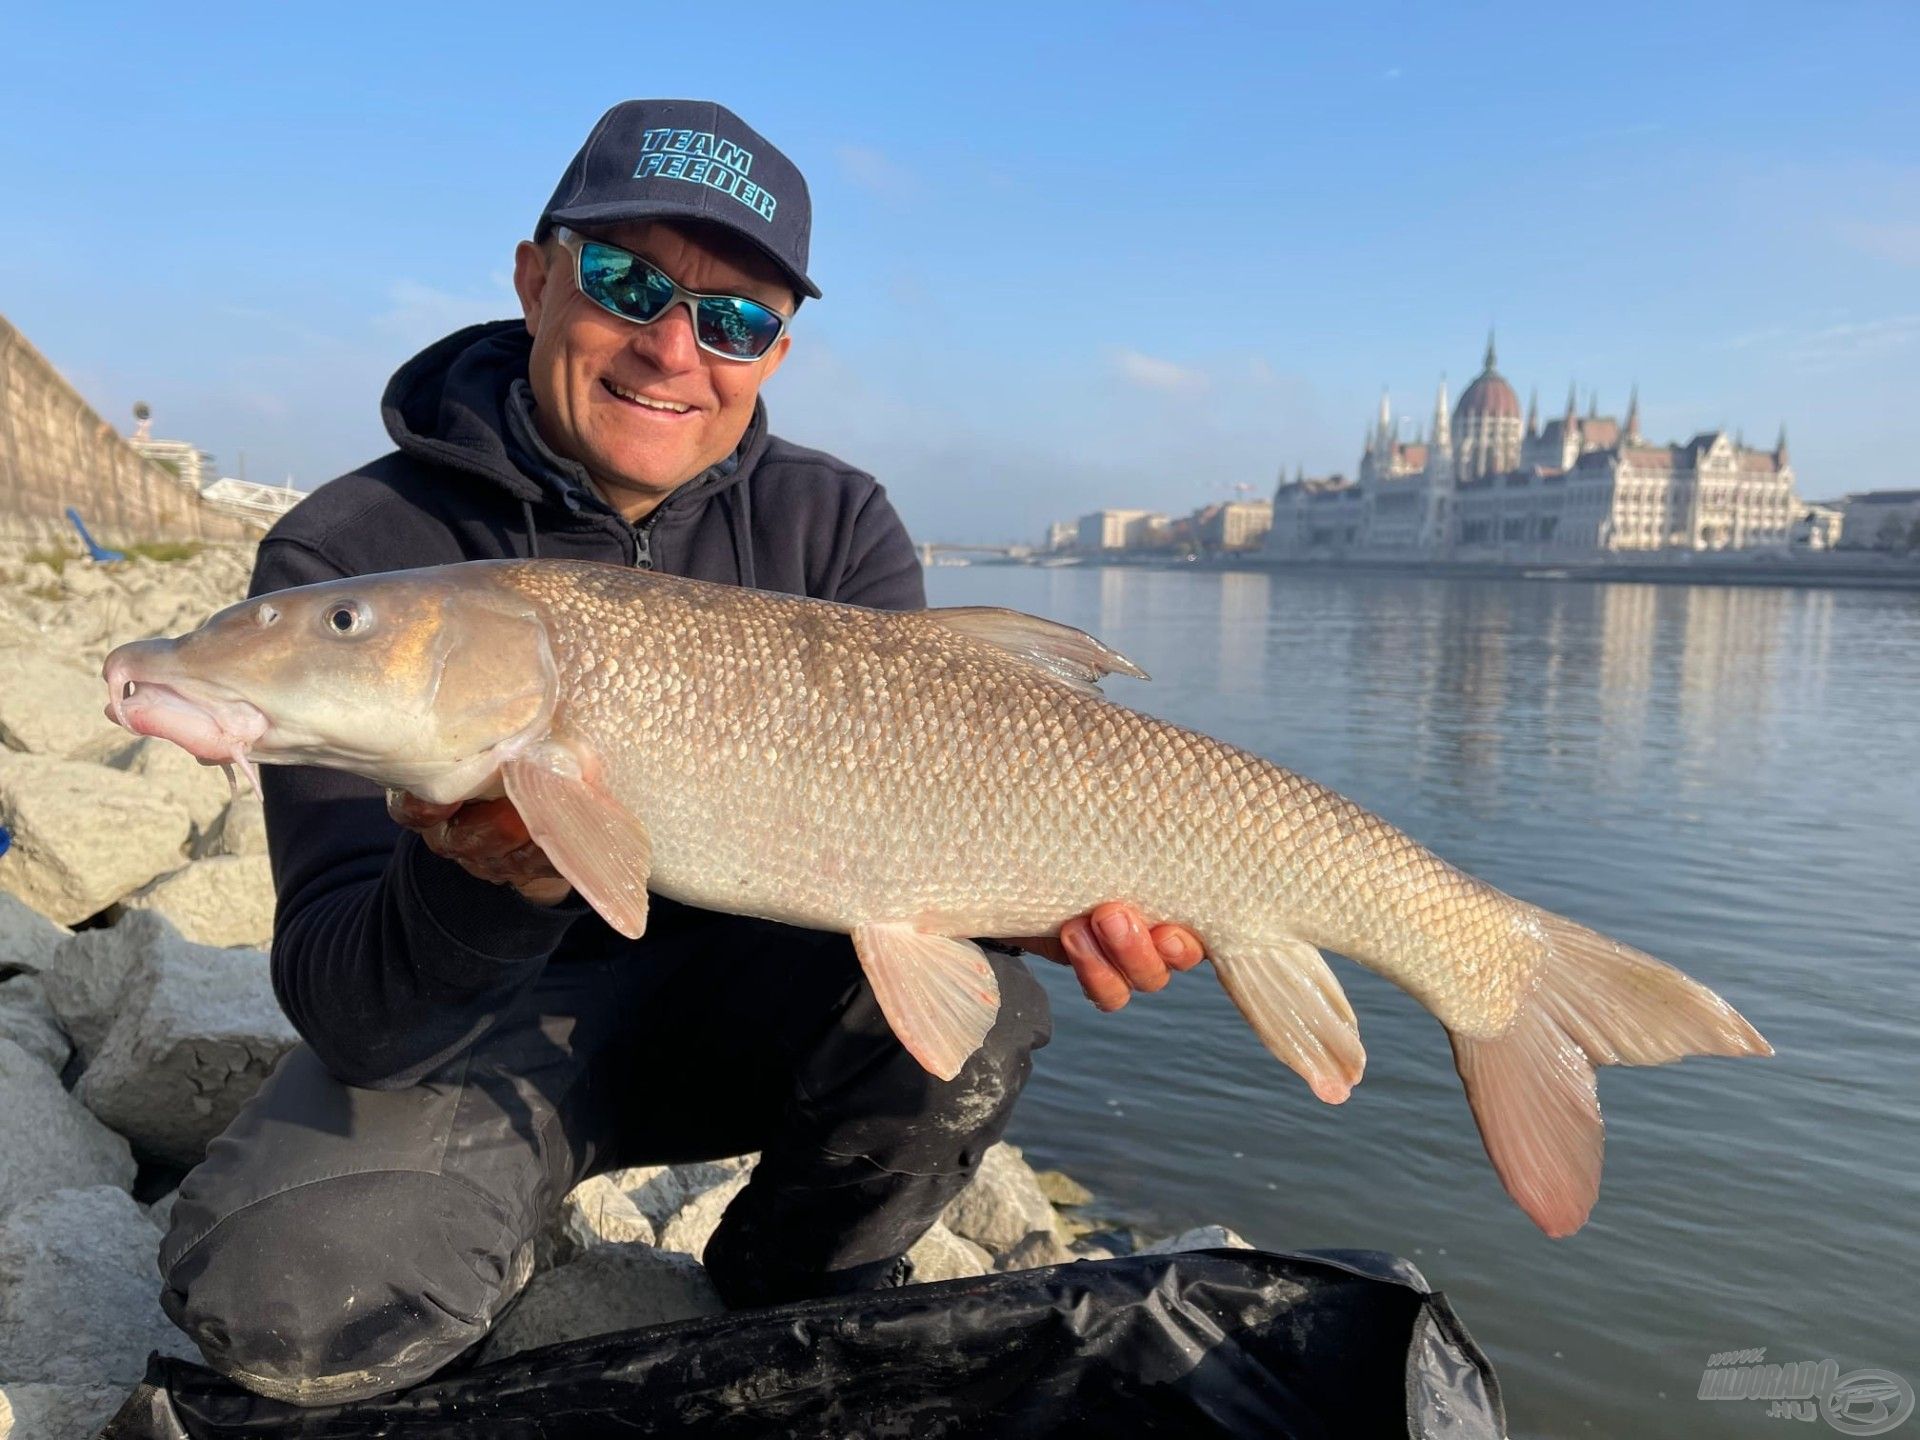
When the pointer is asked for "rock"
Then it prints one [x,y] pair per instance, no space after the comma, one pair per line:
[48,1141]
[1061,1188]
[596,1212]
[27,938]
[227,900]
[57,1412]
[1204,1237]
[161,1210]
[28,1020]
[1039,1249]
[1002,1206]
[203,789]
[660,1191]
[241,829]
[1083,1251]
[612,1287]
[197,1031]
[50,706]
[693,1225]
[1113,1241]
[90,969]
[83,835]
[942,1255]
[79,1300]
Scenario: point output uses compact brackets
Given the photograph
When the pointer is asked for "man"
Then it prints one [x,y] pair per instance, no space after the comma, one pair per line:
[477,1040]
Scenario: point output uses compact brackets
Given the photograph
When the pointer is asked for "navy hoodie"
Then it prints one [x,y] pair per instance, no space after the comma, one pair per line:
[389,959]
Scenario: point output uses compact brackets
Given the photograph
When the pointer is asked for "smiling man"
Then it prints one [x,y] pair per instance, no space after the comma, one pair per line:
[477,1040]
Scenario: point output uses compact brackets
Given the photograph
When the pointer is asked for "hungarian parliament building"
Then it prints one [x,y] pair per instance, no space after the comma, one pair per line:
[1485,479]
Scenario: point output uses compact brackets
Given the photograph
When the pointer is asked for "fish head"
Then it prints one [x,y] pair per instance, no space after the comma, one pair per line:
[413,679]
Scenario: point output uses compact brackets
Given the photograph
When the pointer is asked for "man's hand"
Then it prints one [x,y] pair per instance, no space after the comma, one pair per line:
[486,838]
[1114,952]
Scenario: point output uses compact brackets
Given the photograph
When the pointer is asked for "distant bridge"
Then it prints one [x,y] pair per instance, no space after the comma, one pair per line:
[931,552]
[247,500]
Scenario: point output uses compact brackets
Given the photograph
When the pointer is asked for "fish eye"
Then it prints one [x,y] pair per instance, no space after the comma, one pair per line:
[265,615]
[346,618]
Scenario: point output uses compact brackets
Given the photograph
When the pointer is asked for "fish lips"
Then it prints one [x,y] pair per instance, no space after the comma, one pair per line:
[214,729]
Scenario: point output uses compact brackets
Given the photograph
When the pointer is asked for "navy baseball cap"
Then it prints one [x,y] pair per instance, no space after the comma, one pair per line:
[688,160]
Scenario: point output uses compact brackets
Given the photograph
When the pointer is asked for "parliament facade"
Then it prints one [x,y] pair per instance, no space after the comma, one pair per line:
[1484,480]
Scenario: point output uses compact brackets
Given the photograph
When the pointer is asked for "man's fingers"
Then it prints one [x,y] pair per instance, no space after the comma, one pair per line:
[1178,946]
[1105,986]
[408,809]
[485,827]
[1128,946]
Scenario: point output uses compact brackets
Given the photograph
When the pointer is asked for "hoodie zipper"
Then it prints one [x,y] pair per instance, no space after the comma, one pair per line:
[643,543]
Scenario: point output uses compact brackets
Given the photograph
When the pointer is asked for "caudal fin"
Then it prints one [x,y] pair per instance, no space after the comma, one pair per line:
[1597,1002]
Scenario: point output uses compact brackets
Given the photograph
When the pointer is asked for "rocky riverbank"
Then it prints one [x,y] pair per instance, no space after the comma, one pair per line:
[136,1016]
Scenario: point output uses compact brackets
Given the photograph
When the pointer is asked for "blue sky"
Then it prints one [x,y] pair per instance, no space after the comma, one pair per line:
[1072,254]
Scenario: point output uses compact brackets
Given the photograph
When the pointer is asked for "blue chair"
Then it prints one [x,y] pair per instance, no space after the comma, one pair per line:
[97,552]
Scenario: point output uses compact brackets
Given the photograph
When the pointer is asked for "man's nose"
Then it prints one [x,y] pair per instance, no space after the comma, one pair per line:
[668,342]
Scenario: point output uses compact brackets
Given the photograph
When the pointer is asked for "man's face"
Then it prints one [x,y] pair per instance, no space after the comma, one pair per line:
[588,366]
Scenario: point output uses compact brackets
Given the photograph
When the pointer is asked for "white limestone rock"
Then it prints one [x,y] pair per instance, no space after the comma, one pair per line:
[1034,1252]
[596,1212]
[612,1287]
[227,900]
[83,835]
[79,1300]
[942,1255]
[48,1141]
[197,1031]
[660,1191]
[1003,1205]
[57,1412]
[90,969]
[51,706]
[692,1226]
[1061,1188]
[240,830]
[27,938]
[203,789]
[28,1020]
[1203,1237]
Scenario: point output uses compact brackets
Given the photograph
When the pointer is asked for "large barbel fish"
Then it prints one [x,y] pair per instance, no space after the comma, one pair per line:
[914,779]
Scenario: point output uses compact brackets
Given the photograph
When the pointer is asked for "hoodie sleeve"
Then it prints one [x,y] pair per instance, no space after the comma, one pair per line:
[388,959]
[882,568]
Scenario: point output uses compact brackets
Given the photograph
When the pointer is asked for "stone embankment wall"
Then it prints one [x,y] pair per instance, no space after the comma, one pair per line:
[55,451]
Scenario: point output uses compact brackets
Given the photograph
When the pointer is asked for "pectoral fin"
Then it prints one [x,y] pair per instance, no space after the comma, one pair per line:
[939,995]
[601,848]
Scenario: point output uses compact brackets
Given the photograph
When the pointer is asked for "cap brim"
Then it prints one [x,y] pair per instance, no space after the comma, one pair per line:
[614,211]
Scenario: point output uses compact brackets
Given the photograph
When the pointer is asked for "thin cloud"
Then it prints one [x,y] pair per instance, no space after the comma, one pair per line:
[872,170]
[419,313]
[1898,241]
[1152,373]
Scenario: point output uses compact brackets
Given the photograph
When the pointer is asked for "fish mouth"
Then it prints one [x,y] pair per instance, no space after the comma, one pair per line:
[216,729]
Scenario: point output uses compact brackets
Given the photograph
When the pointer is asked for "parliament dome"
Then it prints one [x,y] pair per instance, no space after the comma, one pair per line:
[1489,396]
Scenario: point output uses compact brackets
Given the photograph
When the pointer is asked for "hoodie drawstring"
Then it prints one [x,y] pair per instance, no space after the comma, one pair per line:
[533,539]
[740,526]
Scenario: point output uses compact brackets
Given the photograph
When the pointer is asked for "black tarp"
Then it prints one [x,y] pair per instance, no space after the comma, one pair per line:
[1333,1345]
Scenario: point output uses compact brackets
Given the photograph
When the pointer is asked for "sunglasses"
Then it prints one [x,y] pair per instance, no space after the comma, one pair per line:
[625,284]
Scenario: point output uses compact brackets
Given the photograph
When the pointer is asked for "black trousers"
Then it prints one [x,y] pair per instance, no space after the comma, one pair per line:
[339,1242]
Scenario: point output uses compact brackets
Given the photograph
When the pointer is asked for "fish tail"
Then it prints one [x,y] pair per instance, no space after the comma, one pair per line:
[1597,1002]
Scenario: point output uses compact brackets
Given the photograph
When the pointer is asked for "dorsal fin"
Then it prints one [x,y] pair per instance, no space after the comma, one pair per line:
[1062,651]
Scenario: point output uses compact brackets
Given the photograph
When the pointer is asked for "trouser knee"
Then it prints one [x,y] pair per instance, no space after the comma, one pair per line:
[342,1288]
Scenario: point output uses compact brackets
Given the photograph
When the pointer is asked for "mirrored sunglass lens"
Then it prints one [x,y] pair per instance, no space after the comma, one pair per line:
[622,283]
[740,328]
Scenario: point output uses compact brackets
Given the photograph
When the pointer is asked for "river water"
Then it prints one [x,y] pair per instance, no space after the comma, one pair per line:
[1728,778]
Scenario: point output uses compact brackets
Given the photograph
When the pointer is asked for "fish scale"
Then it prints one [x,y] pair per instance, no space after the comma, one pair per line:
[913,780]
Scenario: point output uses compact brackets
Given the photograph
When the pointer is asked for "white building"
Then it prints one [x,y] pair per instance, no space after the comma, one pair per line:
[1119,529]
[1483,479]
[1881,519]
[1235,525]
[193,465]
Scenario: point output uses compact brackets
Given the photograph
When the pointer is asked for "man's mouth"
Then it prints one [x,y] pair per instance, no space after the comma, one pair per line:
[645,402]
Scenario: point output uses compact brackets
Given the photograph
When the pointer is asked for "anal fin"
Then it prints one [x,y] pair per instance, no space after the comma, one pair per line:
[939,994]
[1297,1008]
[599,846]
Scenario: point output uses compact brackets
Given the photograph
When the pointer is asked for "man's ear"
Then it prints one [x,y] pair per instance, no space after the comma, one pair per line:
[530,269]
[776,357]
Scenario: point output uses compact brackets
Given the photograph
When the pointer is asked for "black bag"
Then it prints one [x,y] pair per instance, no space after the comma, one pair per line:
[1332,1345]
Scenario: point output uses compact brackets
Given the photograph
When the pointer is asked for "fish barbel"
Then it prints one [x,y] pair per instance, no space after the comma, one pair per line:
[913,779]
